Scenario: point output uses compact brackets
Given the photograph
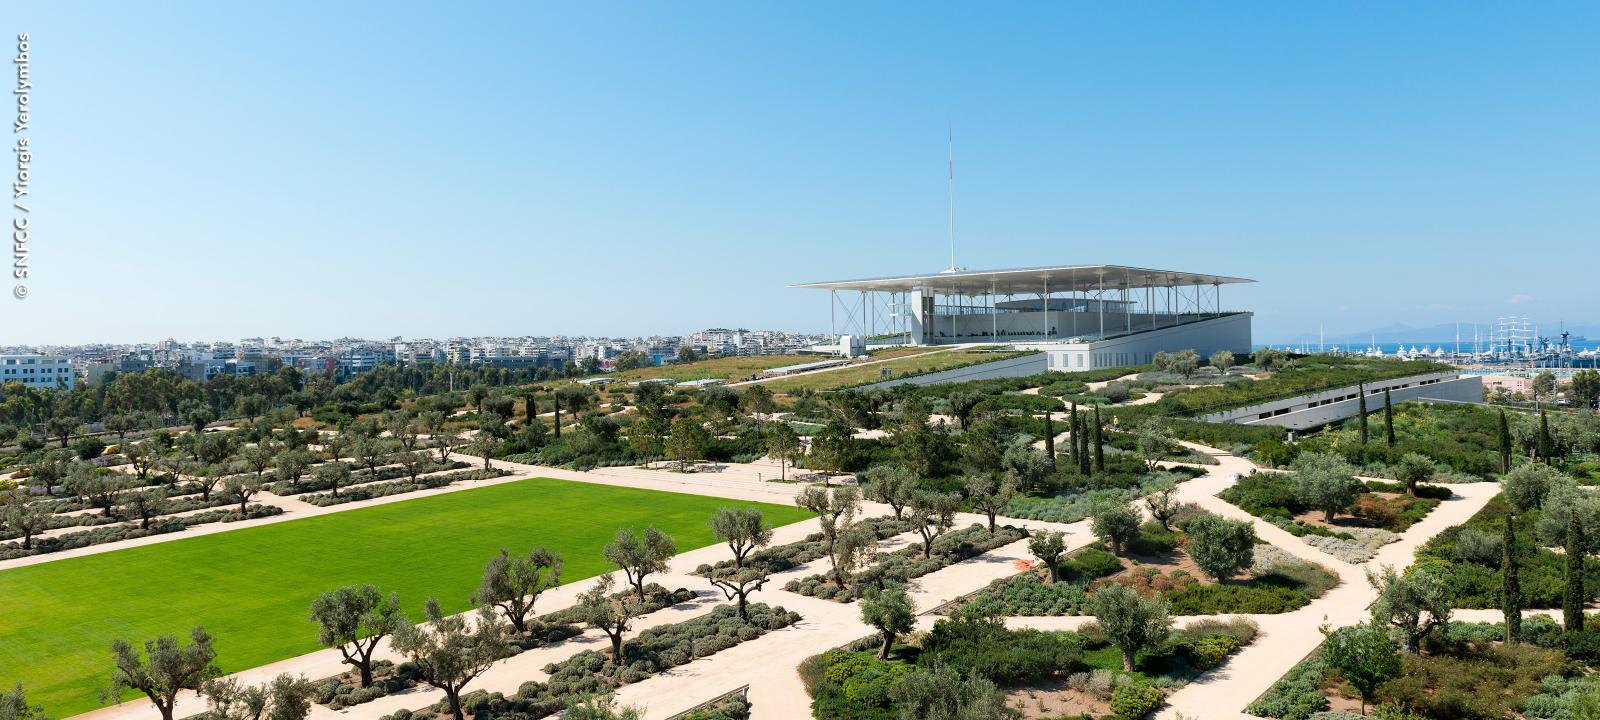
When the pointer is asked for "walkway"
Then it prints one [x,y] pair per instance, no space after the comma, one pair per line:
[768,664]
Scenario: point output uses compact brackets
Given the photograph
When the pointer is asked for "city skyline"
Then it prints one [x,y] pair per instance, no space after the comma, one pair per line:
[506,172]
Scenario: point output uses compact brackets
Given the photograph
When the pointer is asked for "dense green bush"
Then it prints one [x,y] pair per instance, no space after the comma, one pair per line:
[1255,598]
[1029,595]
[1471,682]
[971,642]
[1432,492]
[1224,434]
[342,691]
[1541,572]
[1135,700]
[1091,563]
[1297,695]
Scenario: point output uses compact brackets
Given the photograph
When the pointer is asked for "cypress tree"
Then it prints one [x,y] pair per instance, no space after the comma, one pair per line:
[1511,590]
[1505,443]
[557,399]
[1050,438]
[1388,418]
[1546,445]
[532,410]
[1572,599]
[1099,444]
[1361,410]
[1081,435]
[1072,439]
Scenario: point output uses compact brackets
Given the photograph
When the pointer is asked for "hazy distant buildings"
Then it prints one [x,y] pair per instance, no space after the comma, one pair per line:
[41,372]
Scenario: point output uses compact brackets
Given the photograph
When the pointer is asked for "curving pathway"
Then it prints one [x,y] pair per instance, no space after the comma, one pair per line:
[768,664]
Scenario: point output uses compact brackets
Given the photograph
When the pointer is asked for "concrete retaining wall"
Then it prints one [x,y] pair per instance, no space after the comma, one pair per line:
[1318,409]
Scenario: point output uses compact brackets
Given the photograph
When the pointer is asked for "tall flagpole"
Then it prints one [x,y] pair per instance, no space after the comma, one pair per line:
[950,147]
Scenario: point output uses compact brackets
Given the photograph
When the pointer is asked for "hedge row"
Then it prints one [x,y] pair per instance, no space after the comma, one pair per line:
[786,557]
[114,533]
[592,674]
[385,489]
[908,563]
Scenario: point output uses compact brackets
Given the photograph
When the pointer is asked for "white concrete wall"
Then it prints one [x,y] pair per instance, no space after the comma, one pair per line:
[1231,332]
[1318,409]
[1041,326]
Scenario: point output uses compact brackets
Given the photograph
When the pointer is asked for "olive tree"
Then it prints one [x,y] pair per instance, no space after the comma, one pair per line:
[354,619]
[1048,547]
[836,510]
[333,475]
[640,556]
[990,495]
[142,458]
[484,445]
[1222,360]
[448,651]
[932,513]
[1131,623]
[26,516]
[258,457]
[783,445]
[1154,441]
[1526,485]
[1162,502]
[1326,482]
[737,583]
[286,697]
[608,614]
[1413,604]
[1221,547]
[1115,523]
[1414,469]
[101,489]
[145,504]
[743,529]
[292,465]
[163,670]
[892,485]
[241,488]
[512,584]
[891,611]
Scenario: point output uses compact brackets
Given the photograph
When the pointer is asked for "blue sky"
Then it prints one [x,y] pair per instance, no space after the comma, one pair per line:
[326,169]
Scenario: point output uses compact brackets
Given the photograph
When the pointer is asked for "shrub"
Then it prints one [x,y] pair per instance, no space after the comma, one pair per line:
[1008,657]
[1029,595]
[1135,700]
[1091,563]
[1297,695]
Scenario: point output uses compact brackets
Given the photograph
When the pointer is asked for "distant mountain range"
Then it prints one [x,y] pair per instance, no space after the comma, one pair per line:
[1443,333]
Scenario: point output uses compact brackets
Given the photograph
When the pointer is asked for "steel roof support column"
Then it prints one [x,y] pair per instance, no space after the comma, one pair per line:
[1100,304]
[994,316]
[1048,331]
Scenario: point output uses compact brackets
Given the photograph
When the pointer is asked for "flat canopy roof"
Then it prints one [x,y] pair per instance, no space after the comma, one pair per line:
[1067,278]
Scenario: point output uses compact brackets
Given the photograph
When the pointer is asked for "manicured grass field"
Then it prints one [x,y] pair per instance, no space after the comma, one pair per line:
[252,588]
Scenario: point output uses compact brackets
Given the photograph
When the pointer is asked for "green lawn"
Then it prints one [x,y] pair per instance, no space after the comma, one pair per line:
[251,588]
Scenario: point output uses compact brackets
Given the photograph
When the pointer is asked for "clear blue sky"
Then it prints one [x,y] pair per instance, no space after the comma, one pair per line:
[325,169]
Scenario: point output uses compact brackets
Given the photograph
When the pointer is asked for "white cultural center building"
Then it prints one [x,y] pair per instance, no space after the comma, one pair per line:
[1081,316]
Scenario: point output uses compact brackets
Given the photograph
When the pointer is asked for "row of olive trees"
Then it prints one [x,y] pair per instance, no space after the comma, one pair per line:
[450,651]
